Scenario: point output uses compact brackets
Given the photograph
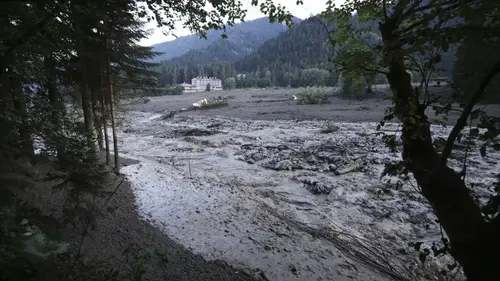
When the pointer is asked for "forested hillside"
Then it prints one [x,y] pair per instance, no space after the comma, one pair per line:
[297,57]
[242,39]
[303,46]
[279,61]
[294,58]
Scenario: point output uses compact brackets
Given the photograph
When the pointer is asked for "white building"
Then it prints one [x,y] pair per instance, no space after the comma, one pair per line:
[199,84]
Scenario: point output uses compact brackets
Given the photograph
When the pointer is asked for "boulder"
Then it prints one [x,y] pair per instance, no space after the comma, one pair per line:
[283,165]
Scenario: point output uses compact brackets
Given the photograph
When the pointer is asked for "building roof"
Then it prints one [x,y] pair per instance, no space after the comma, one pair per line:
[208,78]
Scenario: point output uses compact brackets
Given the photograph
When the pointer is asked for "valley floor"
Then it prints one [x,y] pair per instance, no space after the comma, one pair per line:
[278,104]
[280,198]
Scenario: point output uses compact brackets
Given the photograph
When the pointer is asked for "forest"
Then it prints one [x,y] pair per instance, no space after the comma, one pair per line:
[64,67]
[277,62]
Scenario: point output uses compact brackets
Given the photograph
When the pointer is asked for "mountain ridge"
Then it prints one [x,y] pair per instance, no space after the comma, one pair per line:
[245,34]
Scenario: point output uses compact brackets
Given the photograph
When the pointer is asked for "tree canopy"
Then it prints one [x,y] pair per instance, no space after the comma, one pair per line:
[64,65]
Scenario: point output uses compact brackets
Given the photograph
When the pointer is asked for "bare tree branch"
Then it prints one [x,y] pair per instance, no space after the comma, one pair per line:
[462,120]
[384,9]
[330,39]
[432,4]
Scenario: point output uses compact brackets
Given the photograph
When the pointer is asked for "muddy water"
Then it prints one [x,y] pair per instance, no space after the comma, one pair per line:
[281,198]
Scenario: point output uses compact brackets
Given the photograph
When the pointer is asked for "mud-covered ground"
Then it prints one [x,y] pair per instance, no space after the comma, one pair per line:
[277,104]
[118,237]
[262,186]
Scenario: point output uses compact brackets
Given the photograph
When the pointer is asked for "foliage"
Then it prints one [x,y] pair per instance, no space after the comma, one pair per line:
[312,95]
[314,77]
[380,79]
[353,85]
[329,128]
[27,253]
[471,65]
[301,47]
[175,90]
[230,83]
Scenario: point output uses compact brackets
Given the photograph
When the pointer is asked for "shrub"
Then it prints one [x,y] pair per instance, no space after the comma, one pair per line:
[353,85]
[380,79]
[312,95]
[155,92]
[329,128]
[230,83]
[175,90]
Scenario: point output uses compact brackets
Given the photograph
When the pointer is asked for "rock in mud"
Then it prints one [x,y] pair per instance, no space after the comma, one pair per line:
[167,115]
[259,155]
[312,159]
[222,153]
[129,131]
[333,168]
[196,132]
[317,187]
[351,168]
[283,165]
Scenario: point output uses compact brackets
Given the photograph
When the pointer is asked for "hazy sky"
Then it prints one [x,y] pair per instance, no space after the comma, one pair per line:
[310,7]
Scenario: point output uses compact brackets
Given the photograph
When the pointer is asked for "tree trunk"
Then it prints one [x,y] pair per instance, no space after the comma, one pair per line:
[86,99]
[19,102]
[472,241]
[6,105]
[112,109]
[104,114]
[97,119]
[56,108]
